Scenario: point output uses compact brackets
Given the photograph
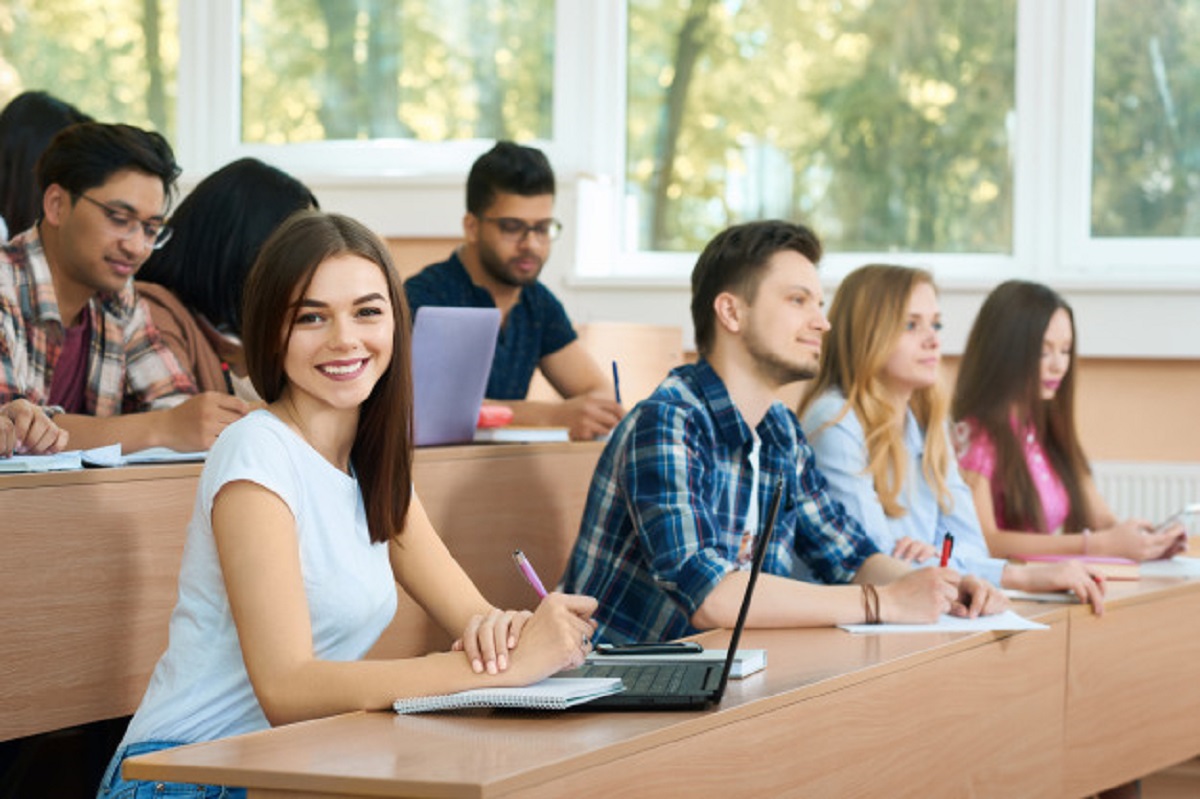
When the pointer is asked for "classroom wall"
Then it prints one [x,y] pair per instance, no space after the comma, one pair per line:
[1130,409]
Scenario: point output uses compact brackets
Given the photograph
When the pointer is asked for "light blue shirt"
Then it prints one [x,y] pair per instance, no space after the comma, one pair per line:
[841,454]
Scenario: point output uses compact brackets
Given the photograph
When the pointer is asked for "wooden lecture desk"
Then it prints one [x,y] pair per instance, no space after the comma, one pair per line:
[1087,704]
[91,558]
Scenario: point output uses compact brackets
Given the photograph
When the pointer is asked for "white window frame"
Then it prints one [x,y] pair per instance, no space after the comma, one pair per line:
[411,189]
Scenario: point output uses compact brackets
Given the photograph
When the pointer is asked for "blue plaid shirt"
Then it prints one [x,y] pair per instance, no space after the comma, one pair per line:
[667,509]
[536,326]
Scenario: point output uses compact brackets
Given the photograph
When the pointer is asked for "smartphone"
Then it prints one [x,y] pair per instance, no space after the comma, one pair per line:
[650,648]
[1178,516]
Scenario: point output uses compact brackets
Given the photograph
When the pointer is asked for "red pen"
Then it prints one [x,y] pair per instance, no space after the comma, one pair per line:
[947,548]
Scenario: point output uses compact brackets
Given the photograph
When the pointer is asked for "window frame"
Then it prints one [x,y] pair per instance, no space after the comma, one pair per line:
[414,189]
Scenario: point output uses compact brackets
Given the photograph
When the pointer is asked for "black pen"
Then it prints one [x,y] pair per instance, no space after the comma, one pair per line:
[616,383]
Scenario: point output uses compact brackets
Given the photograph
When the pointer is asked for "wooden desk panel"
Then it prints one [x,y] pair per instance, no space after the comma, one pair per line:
[801,728]
[89,574]
[88,578]
[1132,703]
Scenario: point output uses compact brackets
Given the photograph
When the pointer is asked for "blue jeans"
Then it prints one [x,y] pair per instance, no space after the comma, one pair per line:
[114,787]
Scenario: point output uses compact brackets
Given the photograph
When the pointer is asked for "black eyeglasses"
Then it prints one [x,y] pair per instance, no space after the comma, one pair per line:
[518,229]
[125,224]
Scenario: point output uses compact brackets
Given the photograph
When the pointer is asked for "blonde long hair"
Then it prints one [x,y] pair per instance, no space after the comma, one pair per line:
[867,318]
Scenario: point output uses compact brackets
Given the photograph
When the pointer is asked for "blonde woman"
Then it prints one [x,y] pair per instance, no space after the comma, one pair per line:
[876,418]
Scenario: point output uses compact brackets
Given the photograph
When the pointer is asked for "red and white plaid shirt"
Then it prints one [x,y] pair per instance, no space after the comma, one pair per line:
[129,369]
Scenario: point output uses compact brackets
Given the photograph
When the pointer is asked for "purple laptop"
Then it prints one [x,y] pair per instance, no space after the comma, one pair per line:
[452,351]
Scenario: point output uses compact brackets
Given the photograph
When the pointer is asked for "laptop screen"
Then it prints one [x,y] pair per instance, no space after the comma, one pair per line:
[452,351]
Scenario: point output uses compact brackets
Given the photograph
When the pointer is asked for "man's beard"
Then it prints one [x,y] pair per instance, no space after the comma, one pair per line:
[775,368]
[497,271]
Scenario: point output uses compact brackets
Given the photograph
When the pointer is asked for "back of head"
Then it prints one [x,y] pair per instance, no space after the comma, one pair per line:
[734,261]
[219,229]
[508,168]
[84,156]
[27,124]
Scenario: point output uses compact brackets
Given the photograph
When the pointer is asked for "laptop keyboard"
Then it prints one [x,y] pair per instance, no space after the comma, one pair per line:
[646,680]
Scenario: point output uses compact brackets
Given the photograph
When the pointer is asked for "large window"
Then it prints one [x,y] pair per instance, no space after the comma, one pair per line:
[113,59]
[886,124]
[430,70]
[1146,119]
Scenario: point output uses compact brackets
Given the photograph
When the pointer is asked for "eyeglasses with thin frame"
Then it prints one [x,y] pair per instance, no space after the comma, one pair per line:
[518,229]
[126,224]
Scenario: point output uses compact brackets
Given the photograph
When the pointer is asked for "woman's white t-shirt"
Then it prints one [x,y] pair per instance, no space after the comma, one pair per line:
[200,690]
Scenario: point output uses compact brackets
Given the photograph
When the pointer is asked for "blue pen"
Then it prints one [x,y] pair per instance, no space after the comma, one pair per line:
[616,383]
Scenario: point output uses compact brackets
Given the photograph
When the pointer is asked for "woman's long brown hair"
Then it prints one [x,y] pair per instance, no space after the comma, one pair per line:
[382,453]
[999,391]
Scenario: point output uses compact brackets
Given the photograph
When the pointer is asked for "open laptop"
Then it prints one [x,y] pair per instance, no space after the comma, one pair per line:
[675,683]
[452,351]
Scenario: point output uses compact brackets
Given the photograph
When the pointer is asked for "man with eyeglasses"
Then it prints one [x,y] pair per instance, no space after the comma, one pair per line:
[508,229]
[74,337]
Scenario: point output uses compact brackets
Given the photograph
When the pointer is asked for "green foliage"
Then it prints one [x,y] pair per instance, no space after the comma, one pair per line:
[884,123]
[437,70]
[1146,118]
[95,55]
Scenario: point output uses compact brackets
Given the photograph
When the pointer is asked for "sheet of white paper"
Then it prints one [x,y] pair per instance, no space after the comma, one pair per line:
[1064,597]
[1008,620]
[1178,566]
[60,462]
[111,456]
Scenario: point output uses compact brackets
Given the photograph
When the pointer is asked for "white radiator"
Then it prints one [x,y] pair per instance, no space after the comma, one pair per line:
[1150,491]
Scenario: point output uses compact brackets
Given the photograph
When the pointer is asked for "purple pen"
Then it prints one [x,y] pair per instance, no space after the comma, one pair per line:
[527,570]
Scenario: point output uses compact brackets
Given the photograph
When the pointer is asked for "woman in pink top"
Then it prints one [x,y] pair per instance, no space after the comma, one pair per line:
[1018,448]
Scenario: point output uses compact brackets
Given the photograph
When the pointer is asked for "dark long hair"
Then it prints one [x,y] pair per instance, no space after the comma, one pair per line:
[27,124]
[219,229]
[999,391]
[382,452]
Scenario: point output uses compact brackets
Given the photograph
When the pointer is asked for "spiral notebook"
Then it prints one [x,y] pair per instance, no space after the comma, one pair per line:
[549,694]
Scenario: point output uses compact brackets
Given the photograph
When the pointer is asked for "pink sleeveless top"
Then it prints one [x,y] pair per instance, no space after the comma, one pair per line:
[977,453]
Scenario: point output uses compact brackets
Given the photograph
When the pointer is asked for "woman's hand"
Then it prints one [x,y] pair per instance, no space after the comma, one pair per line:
[488,639]
[557,636]
[1134,539]
[1085,581]
[912,550]
[978,597]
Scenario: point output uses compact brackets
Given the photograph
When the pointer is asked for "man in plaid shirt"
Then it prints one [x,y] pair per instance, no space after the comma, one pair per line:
[74,338]
[684,483]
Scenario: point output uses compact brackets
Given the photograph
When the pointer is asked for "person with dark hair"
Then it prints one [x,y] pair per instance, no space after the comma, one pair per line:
[27,124]
[507,231]
[1018,447]
[877,419]
[680,492]
[74,337]
[300,533]
[193,285]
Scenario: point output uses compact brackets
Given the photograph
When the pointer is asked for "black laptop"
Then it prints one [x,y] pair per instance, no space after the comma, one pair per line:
[675,683]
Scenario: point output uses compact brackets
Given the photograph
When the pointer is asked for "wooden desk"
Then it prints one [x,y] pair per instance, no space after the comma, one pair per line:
[1089,704]
[91,559]
[1132,701]
[833,714]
